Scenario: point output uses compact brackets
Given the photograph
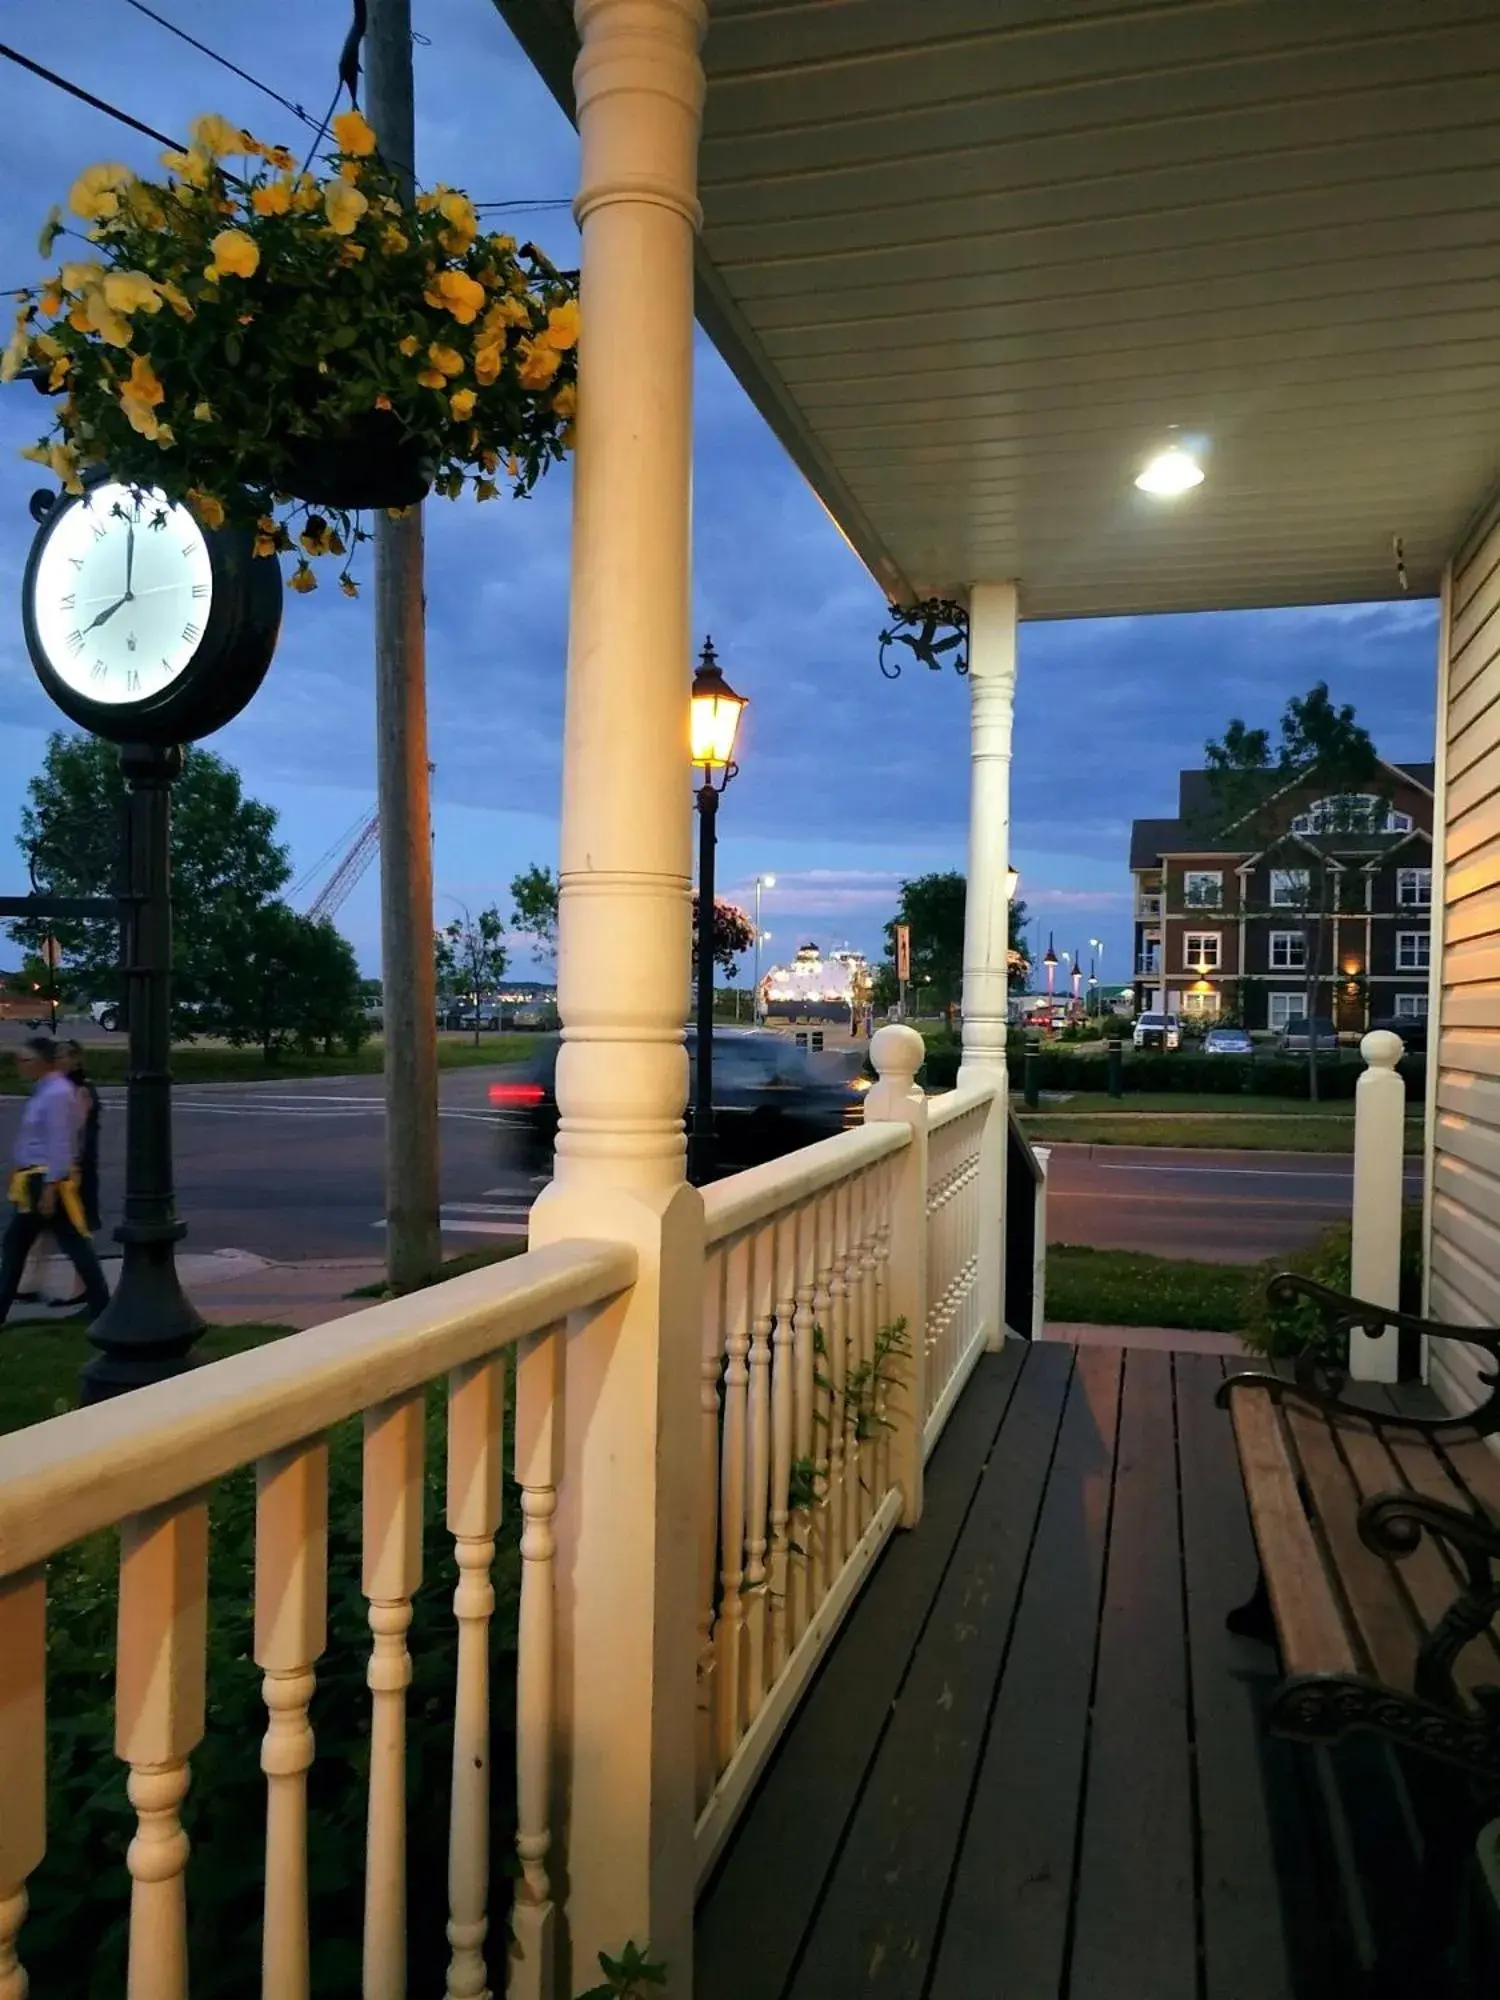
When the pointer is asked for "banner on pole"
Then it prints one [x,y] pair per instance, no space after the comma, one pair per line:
[903,952]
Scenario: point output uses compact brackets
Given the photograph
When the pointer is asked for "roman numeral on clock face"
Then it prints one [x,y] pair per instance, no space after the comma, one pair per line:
[200,590]
[133,680]
[190,632]
[75,642]
[98,671]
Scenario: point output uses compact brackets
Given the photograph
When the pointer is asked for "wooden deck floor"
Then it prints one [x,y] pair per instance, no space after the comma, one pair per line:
[1032,1766]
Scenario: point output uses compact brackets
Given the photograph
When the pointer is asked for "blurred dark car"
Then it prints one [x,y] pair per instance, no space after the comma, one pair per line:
[1294,1036]
[769,1099]
[1411,1029]
[1228,1042]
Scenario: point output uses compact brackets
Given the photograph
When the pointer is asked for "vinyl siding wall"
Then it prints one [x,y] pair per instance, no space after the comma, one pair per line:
[1464,1165]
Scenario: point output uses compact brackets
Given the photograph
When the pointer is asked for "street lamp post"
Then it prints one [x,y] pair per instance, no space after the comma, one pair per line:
[761,882]
[1096,976]
[714,720]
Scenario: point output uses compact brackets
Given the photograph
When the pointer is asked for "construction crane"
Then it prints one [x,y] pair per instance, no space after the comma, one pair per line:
[361,850]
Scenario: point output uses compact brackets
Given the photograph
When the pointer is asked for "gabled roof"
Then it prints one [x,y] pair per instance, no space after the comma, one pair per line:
[1195,831]
[1150,839]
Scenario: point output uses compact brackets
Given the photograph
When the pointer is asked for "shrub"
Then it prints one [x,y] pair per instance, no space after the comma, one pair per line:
[1283,1332]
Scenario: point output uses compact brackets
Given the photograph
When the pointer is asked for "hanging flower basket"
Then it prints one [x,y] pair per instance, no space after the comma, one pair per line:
[261,342]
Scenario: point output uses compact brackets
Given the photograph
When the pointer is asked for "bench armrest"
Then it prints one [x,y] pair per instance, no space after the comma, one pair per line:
[1392,1525]
[1320,1381]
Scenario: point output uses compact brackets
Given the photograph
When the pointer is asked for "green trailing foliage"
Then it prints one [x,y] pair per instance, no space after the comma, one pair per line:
[628,1976]
[861,1406]
[1281,1333]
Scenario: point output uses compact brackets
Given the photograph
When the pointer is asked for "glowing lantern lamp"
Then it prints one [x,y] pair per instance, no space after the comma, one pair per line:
[713,723]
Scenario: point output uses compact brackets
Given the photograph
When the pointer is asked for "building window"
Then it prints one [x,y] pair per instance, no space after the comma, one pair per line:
[1351,812]
[1289,888]
[1413,951]
[1200,949]
[1413,888]
[1411,1006]
[1284,1007]
[1203,889]
[1200,1006]
[1288,951]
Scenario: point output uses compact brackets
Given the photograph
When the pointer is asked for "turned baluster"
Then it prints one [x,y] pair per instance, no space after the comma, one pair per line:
[159,1697]
[801,1534]
[291,1604]
[836,1362]
[23,1759]
[818,1407]
[885,1189]
[710,1368]
[539,1361]
[729,1632]
[783,1395]
[758,1475]
[476,1418]
[392,1524]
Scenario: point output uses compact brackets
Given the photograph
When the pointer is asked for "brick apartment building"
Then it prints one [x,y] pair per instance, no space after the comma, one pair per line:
[1229,920]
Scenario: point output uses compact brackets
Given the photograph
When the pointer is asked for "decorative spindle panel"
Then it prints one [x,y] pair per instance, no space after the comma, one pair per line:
[23,1759]
[539,1388]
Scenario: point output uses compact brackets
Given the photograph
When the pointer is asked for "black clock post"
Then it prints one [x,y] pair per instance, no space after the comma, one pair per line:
[144,1333]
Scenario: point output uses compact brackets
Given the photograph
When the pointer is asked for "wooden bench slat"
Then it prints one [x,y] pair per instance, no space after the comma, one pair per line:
[1478,1472]
[1421,1470]
[1387,1626]
[1313,1638]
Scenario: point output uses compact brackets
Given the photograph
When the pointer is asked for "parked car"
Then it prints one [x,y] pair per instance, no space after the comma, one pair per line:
[1157,1031]
[106,1014]
[1412,1030]
[1294,1037]
[1228,1042]
[769,1099]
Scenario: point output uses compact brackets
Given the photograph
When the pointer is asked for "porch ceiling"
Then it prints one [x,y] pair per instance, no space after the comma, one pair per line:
[971,261]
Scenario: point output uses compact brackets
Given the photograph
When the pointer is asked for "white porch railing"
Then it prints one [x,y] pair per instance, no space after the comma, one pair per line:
[956,1330]
[145,1462]
[842,1314]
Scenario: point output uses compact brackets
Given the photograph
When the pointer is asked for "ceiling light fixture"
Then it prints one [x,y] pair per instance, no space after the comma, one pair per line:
[1170,473]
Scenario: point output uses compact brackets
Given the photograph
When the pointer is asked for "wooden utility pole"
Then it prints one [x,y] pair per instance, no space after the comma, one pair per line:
[413,1244]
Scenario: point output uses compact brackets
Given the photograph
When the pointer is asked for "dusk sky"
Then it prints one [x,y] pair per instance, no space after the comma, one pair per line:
[848,782]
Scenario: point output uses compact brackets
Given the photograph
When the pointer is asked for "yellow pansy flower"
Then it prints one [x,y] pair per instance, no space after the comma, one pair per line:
[392,241]
[279,158]
[343,205]
[455,293]
[143,205]
[446,359]
[204,412]
[17,352]
[562,326]
[95,195]
[275,198]
[216,136]
[349,587]
[352,135]
[503,246]
[131,291]
[565,402]
[306,194]
[175,298]
[235,254]
[350,170]
[315,536]
[302,578]
[51,300]
[410,344]
[52,228]
[141,396]
[193,166]
[206,509]
[60,459]
[461,403]
[81,276]
[485,489]
[538,365]
[101,318]
[503,313]
[487,361]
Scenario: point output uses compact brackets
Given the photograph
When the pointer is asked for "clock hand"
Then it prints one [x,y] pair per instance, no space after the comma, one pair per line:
[105,616]
[129,558]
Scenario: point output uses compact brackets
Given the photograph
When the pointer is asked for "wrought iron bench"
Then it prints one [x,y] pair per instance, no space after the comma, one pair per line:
[1378,1534]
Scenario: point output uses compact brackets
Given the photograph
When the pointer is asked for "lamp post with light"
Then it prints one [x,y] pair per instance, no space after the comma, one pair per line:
[1096,976]
[761,882]
[1049,960]
[713,723]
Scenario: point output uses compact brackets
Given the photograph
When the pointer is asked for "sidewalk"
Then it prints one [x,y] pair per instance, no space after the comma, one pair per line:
[235,1288]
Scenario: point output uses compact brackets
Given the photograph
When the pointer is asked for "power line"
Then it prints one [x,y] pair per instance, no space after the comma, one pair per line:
[88,97]
[223,61]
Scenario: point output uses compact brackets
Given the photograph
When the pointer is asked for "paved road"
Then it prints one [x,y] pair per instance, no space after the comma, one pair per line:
[1227,1208]
[296,1169]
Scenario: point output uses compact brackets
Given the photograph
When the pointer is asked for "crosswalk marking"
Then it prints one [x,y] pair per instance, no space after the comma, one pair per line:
[506,1217]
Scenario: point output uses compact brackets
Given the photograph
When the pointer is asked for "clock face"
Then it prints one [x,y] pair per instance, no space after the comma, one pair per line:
[121,594]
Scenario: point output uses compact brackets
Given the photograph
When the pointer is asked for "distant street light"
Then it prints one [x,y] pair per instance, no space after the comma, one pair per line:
[1096,945]
[761,882]
[714,713]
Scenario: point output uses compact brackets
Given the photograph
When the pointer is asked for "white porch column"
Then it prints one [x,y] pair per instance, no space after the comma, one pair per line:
[626,1520]
[1375,1246]
[992,692]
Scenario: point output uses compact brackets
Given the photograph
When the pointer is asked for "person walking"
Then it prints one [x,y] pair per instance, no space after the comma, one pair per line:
[85,1151]
[43,1185]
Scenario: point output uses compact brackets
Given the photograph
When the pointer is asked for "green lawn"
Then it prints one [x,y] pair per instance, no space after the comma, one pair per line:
[1251,1135]
[40,1360]
[1185,1103]
[1129,1288]
[215,1062]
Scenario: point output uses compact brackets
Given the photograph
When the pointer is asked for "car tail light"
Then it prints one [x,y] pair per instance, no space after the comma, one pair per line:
[516,1096]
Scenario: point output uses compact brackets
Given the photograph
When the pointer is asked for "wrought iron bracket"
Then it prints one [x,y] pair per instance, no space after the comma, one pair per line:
[1320,1708]
[1392,1525]
[916,626]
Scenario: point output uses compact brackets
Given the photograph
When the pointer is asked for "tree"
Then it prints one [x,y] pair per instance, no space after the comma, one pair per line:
[1247,779]
[933,907]
[471,956]
[226,865]
[533,898]
[298,986]
[733,934]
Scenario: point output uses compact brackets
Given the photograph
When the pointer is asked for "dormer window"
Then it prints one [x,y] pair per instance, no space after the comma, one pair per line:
[1351,812]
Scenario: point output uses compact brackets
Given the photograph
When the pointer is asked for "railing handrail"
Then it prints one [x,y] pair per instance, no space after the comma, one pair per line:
[1018,1132]
[950,1104]
[747,1198]
[74,1474]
